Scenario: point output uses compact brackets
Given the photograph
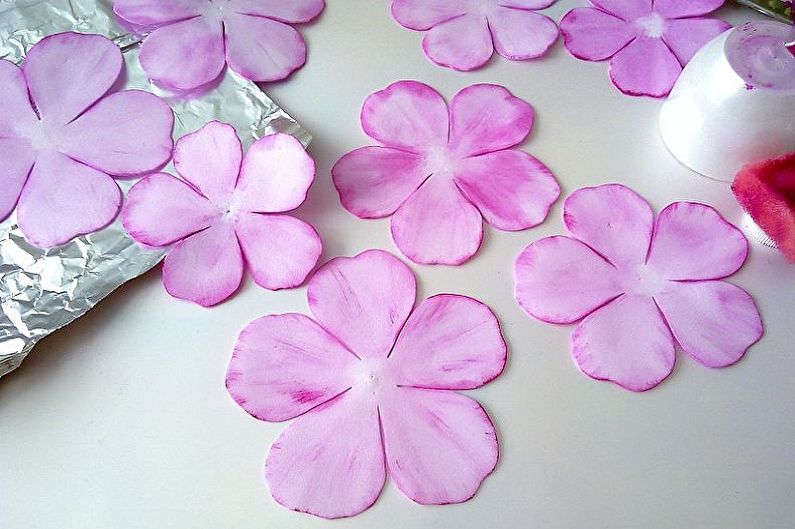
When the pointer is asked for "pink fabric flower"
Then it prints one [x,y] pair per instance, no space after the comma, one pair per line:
[440,173]
[195,39]
[371,380]
[647,41]
[463,34]
[60,140]
[639,286]
[225,213]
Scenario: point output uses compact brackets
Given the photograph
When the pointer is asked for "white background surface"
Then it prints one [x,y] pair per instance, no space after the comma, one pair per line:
[122,419]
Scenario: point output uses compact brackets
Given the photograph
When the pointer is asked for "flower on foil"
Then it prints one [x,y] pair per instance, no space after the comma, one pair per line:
[372,382]
[195,39]
[638,285]
[647,41]
[463,34]
[62,134]
[225,213]
[441,172]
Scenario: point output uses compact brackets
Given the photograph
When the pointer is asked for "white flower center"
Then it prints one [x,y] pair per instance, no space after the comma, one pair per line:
[643,280]
[215,10]
[43,136]
[440,161]
[373,377]
[652,25]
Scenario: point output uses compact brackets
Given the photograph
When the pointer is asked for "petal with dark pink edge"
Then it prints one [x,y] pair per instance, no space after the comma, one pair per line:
[626,9]
[613,220]
[422,15]
[686,8]
[68,72]
[487,118]
[17,116]
[561,280]
[364,300]
[210,160]
[512,190]
[715,322]
[438,225]
[463,43]
[520,35]
[161,210]
[185,55]
[206,268]
[262,49]
[63,199]
[646,67]
[294,12]
[330,461]
[593,35]
[407,115]
[374,181]
[284,365]
[686,36]
[440,445]
[449,342]
[16,161]
[152,12]
[692,241]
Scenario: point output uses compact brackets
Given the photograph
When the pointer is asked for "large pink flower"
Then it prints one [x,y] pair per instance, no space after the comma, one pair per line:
[62,135]
[463,34]
[226,213]
[441,172]
[370,380]
[647,41]
[639,286]
[195,39]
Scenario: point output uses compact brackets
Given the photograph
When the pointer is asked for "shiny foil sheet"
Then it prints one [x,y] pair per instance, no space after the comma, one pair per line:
[42,291]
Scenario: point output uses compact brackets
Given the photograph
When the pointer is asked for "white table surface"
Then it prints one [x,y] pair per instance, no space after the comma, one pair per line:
[122,420]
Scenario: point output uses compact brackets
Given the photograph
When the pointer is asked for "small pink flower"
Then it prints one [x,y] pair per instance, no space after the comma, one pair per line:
[372,381]
[463,34]
[647,41]
[60,137]
[195,39]
[441,172]
[639,286]
[225,213]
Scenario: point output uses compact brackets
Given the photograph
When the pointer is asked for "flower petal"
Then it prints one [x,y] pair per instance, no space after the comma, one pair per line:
[330,461]
[438,225]
[152,12]
[16,162]
[685,37]
[294,12]
[593,35]
[512,190]
[280,250]
[646,67]
[626,9]
[363,301]
[686,8]
[613,220]
[284,365]
[450,342]
[520,35]
[161,210]
[374,181]
[561,280]
[422,15]
[17,113]
[487,118]
[262,49]
[527,4]
[408,115]
[715,322]
[463,43]
[206,268]
[440,445]
[626,342]
[210,160]
[692,241]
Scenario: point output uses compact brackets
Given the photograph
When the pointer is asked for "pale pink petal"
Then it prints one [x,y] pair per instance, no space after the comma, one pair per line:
[284,365]
[210,160]
[561,280]
[646,67]
[363,301]
[330,461]
[17,115]
[626,9]
[686,8]
[613,220]
[487,118]
[185,55]
[275,176]
[520,35]
[626,342]
[715,322]
[294,11]
[422,15]
[374,181]
[692,241]
[152,12]
[16,161]
[68,72]
[280,250]
[685,37]
[262,49]
[440,445]
[206,268]
[449,342]
[463,43]
[161,210]
[593,35]
[512,190]
[408,115]
[438,225]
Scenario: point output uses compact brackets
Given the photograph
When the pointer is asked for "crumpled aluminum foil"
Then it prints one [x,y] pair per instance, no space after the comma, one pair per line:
[42,291]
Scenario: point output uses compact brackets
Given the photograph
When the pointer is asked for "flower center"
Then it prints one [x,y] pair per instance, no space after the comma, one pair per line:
[643,280]
[373,377]
[215,11]
[652,25]
[440,161]
[482,7]
[43,136]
